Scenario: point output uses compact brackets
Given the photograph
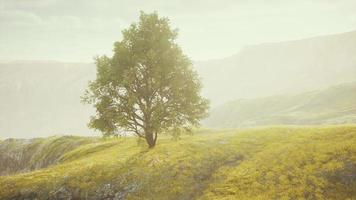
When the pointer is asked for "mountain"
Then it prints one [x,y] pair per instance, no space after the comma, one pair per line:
[263,163]
[334,105]
[40,98]
[281,68]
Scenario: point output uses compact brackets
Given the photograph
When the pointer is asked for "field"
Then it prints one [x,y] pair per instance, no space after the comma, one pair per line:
[287,162]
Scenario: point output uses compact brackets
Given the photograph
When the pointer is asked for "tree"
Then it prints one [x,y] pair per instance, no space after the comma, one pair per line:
[148,86]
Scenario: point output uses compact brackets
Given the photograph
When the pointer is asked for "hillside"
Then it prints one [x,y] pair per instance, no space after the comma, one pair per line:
[41,98]
[267,163]
[281,68]
[334,105]
[23,155]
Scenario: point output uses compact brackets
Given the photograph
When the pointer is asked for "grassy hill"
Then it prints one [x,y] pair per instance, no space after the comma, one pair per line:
[334,105]
[22,155]
[263,163]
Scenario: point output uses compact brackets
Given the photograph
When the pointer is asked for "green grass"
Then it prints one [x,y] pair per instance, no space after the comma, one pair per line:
[21,155]
[262,163]
[334,105]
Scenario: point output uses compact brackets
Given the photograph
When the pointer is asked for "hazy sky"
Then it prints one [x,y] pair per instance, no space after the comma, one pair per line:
[77,30]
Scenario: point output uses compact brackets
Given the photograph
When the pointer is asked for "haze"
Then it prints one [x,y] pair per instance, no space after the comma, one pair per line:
[245,52]
[272,85]
[78,30]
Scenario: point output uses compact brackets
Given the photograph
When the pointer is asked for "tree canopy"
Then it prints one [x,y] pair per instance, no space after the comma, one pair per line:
[148,86]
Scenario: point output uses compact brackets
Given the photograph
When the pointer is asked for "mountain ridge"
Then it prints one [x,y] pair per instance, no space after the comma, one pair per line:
[283,67]
[333,105]
[27,87]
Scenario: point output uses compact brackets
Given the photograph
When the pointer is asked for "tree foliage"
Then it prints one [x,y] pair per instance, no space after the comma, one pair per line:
[148,86]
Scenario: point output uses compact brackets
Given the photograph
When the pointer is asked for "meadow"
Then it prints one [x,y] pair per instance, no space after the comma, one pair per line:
[286,162]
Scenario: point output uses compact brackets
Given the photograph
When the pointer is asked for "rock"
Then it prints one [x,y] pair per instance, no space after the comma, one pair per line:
[61,194]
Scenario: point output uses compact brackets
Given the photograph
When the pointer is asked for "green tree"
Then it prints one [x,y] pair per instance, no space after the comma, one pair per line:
[148,86]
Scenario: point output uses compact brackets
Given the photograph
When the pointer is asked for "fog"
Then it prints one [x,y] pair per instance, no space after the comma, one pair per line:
[67,30]
[241,50]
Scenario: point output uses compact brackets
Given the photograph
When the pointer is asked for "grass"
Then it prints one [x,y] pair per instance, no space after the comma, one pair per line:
[334,105]
[262,163]
[25,155]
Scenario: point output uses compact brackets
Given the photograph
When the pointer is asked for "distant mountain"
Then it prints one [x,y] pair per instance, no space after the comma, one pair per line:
[43,98]
[335,105]
[280,68]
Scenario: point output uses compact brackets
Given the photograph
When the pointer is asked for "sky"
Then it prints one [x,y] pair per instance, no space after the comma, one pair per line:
[77,31]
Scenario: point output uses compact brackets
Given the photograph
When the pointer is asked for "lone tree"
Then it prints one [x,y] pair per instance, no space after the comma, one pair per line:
[148,86]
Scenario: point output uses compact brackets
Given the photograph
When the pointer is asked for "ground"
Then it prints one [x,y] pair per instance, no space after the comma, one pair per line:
[261,163]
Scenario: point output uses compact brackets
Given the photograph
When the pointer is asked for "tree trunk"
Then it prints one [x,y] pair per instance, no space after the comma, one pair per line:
[151,139]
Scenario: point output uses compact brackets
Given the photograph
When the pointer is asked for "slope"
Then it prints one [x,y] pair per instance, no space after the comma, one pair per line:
[281,68]
[43,98]
[268,163]
[334,105]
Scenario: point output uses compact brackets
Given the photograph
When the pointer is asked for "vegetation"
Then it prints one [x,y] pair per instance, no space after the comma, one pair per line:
[21,155]
[148,86]
[334,105]
[260,163]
